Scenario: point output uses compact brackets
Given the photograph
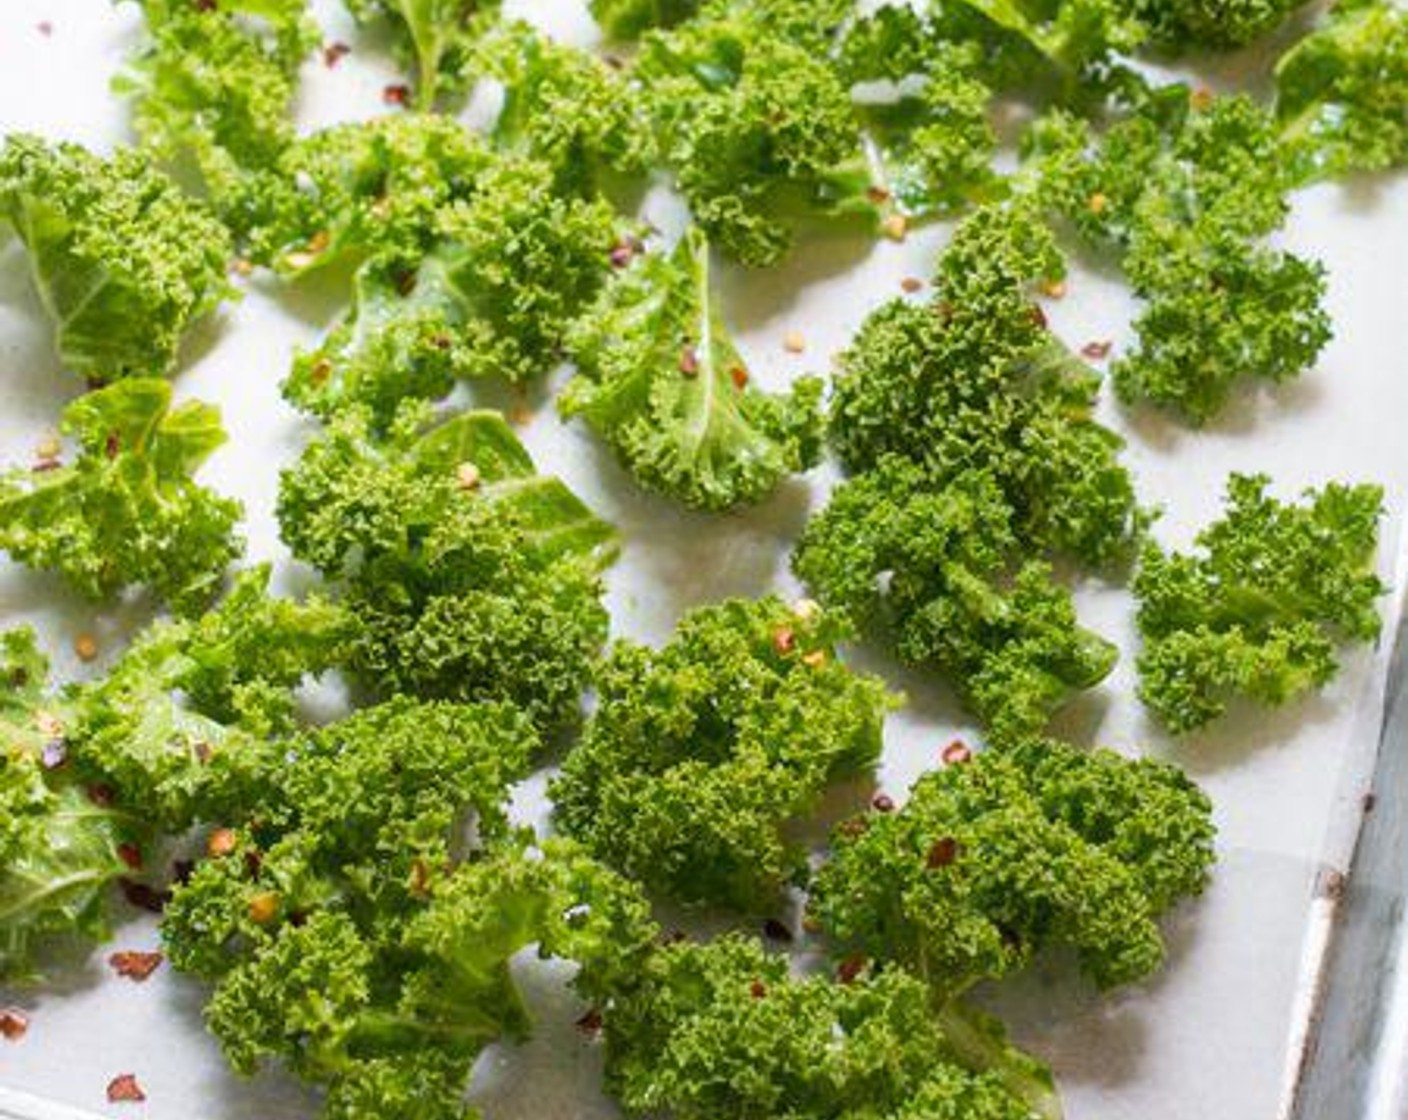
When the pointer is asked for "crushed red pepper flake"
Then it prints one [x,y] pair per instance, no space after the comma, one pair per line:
[334,53]
[849,970]
[86,646]
[263,907]
[144,896]
[99,795]
[14,1024]
[1097,351]
[131,855]
[134,964]
[739,376]
[44,27]
[877,194]
[855,826]
[112,445]
[590,1022]
[124,1088]
[46,465]
[757,989]
[784,641]
[775,930]
[912,284]
[955,753]
[883,803]
[689,362]
[221,842]
[1039,317]
[622,254]
[942,853]
[396,95]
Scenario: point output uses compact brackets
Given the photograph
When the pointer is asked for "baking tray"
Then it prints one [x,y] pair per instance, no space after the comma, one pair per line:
[1223,1033]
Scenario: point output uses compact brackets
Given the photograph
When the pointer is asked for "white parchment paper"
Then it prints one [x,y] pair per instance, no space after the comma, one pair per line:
[1207,1038]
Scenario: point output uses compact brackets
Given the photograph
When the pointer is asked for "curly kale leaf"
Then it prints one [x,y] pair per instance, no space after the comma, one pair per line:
[123,261]
[660,379]
[930,570]
[1342,92]
[386,992]
[975,381]
[1186,25]
[1183,194]
[623,20]
[1026,846]
[58,847]
[564,108]
[750,125]
[723,1029]
[214,86]
[699,753]
[356,191]
[470,576]
[1074,37]
[1259,610]
[126,512]
[436,38]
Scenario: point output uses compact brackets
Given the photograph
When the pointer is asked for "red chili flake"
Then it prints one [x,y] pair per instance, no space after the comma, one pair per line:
[739,376]
[850,969]
[14,1023]
[1039,316]
[1369,802]
[689,362]
[99,795]
[263,908]
[320,372]
[1097,351]
[334,53]
[221,842]
[124,1088]
[144,896]
[784,641]
[206,5]
[46,465]
[883,803]
[877,194]
[44,27]
[674,937]
[253,862]
[912,284]
[442,341]
[955,753]
[757,989]
[854,827]
[406,283]
[131,855]
[396,95]
[53,754]
[944,310]
[182,870]
[774,930]
[134,965]
[622,254]
[590,1023]
[942,854]
[112,445]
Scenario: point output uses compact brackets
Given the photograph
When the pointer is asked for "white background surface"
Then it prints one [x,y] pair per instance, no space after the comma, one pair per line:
[1207,1038]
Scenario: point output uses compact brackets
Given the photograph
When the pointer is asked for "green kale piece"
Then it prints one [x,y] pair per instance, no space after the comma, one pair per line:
[178,727]
[214,86]
[750,124]
[123,261]
[516,264]
[1189,24]
[126,513]
[1025,846]
[371,954]
[1076,38]
[698,754]
[660,379]
[975,381]
[435,38]
[59,847]
[1342,92]
[931,571]
[470,576]
[1260,610]
[564,108]
[356,191]
[724,1029]
[623,20]
[1183,194]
